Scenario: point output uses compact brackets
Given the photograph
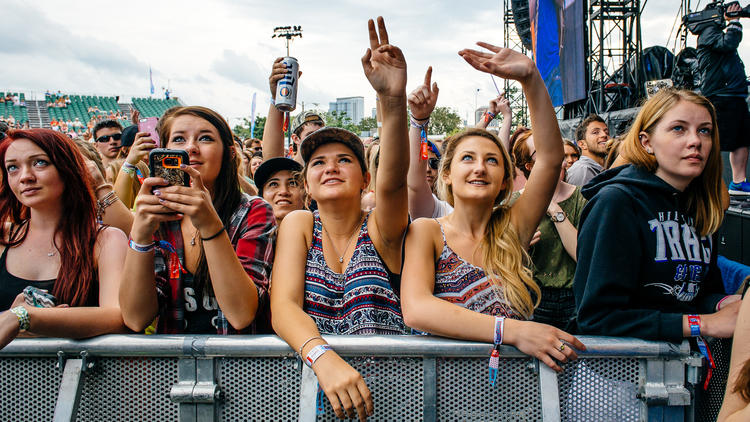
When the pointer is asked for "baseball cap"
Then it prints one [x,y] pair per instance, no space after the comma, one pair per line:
[307,116]
[270,167]
[327,135]
[128,135]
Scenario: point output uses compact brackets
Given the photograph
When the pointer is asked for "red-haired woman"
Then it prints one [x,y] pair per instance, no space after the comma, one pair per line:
[50,239]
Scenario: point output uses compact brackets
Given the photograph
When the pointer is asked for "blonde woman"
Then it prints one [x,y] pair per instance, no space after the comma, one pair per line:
[646,262]
[464,274]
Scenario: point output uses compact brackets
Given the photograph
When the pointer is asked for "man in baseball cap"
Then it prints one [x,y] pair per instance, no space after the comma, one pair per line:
[303,125]
[279,182]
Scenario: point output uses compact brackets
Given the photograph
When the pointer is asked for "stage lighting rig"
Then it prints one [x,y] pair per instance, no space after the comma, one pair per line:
[288,32]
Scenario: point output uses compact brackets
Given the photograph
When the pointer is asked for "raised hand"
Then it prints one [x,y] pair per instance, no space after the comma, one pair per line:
[278,71]
[500,105]
[383,63]
[142,145]
[424,97]
[504,63]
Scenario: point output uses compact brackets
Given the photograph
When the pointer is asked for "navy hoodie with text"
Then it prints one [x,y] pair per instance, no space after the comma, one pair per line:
[641,263]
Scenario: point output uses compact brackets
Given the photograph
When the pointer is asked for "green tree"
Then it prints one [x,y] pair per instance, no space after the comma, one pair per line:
[367,124]
[243,129]
[444,120]
[340,119]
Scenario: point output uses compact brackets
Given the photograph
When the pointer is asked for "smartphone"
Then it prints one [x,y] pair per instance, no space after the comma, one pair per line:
[149,125]
[38,298]
[165,163]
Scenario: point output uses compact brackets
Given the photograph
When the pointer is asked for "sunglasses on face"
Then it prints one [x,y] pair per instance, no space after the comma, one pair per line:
[433,163]
[105,138]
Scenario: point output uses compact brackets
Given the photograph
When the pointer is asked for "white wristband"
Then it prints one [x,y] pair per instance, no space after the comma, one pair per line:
[315,353]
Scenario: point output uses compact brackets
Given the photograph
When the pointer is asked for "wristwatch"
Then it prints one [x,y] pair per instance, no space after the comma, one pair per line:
[558,217]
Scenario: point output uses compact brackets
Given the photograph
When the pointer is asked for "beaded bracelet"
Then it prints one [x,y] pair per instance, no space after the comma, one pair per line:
[23,318]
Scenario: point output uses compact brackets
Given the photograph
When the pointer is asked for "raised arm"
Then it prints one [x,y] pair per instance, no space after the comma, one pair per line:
[505,63]
[421,103]
[499,105]
[385,68]
[273,135]
[127,176]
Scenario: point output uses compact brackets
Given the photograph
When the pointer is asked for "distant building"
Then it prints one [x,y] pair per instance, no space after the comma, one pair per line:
[353,107]
[375,110]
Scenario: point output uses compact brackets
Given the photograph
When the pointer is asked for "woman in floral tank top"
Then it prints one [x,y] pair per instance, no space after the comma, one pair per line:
[465,274]
[334,268]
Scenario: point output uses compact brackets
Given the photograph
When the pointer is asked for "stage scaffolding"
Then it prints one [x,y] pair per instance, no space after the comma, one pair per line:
[511,39]
[613,55]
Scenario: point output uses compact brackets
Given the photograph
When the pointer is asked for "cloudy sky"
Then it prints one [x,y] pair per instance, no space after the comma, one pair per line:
[218,53]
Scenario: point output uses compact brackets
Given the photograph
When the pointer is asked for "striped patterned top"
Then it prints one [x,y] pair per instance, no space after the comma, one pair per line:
[359,301]
[467,285]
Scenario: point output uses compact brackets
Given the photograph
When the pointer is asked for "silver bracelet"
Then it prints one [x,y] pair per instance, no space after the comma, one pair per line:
[305,344]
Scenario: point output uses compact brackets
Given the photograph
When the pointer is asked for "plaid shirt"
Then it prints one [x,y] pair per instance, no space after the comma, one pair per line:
[251,231]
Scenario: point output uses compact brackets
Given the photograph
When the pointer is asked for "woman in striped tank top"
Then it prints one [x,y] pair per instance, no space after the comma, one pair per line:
[464,274]
[333,272]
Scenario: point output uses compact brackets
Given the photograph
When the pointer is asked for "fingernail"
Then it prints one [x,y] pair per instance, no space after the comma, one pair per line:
[157,192]
[161,200]
[183,166]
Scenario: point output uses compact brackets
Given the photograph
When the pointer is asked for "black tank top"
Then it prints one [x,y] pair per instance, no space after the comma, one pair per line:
[11,286]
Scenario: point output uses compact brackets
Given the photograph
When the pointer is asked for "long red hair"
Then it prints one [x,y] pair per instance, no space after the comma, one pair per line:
[77,279]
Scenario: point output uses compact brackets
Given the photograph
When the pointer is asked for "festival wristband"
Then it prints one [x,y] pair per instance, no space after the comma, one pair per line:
[499,329]
[694,321]
[695,331]
[23,318]
[141,248]
[315,353]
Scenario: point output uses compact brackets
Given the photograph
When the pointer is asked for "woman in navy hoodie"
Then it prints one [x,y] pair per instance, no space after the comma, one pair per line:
[646,260]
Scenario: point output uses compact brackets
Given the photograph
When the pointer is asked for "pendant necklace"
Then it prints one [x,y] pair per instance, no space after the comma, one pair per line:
[349,243]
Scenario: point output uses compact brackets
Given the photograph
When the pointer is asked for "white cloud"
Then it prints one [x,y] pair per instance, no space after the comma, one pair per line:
[218,53]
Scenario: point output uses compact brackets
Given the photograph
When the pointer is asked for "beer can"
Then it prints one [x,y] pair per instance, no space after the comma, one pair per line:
[286,89]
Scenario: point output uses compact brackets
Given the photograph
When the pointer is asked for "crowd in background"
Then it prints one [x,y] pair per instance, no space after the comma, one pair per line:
[516,237]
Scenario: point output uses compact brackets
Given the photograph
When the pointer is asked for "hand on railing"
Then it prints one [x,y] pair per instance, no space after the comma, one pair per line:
[544,342]
[344,387]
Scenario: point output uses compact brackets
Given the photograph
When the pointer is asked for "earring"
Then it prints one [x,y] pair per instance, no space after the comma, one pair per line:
[650,151]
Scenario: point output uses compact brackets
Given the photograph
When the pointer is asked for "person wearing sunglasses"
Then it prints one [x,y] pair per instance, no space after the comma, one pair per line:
[107,135]
[423,172]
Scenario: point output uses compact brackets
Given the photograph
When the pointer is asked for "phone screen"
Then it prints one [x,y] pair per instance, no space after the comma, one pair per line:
[149,125]
[165,163]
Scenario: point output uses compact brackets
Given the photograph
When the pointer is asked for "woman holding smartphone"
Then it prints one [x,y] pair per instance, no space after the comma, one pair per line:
[200,255]
[51,240]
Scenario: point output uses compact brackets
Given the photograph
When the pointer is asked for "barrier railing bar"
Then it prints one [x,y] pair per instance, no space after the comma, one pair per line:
[273,346]
[70,391]
[430,389]
[549,393]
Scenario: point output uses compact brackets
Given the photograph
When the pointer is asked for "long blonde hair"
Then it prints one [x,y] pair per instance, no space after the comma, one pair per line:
[503,257]
[704,192]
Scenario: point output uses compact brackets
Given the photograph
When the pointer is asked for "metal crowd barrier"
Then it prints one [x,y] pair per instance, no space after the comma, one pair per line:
[412,378]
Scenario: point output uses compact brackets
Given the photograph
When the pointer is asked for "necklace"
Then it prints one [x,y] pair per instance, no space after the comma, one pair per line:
[192,241]
[349,243]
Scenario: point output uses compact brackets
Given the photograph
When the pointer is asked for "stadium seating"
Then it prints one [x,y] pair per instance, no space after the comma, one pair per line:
[79,106]
[152,107]
[19,113]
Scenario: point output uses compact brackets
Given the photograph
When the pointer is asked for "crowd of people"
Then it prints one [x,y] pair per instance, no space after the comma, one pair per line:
[518,238]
